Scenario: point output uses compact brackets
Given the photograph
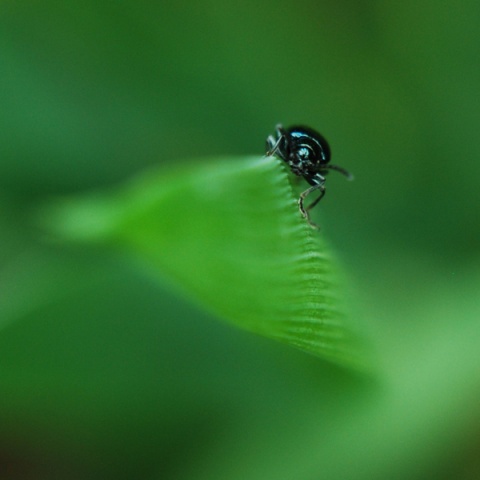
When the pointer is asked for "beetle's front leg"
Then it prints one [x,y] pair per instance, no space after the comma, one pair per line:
[272,144]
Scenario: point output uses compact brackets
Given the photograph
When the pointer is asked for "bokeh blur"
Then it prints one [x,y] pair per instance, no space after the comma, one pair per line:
[106,374]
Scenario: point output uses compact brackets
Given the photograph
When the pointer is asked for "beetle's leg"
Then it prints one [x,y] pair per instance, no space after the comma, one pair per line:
[305,194]
[319,180]
[322,193]
[272,144]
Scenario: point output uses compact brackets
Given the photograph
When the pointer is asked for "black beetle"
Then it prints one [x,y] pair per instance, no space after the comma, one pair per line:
[307,153]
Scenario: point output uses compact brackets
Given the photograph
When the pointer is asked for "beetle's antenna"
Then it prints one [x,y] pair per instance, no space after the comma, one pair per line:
[339,169]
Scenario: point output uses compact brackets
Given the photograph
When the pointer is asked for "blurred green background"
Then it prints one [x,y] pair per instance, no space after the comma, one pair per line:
[105,374]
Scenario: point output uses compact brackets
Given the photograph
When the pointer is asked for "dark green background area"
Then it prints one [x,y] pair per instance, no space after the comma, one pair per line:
[105,374]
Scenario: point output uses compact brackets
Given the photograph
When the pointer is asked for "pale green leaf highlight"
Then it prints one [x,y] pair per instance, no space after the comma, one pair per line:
[228,232]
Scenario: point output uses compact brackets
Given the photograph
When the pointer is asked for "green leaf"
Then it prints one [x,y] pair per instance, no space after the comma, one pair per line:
[230,233]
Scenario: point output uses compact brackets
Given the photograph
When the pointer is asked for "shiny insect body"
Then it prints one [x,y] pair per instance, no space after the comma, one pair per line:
[307,153]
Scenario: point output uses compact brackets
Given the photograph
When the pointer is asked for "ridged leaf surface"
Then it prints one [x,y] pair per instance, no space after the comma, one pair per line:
[229,232]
